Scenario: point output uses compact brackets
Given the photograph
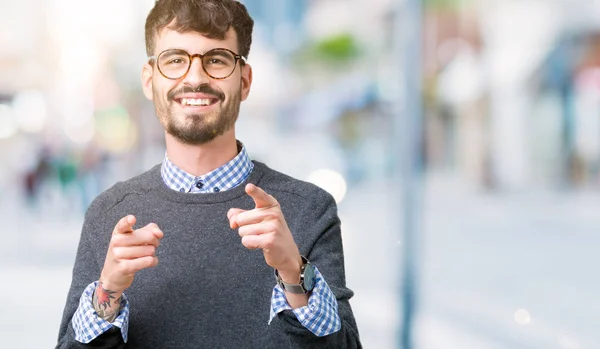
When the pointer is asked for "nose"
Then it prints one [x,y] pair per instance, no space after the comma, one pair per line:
[196,76]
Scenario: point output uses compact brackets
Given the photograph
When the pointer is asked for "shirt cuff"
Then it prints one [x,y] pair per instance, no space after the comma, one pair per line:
[320,316]
[88,325]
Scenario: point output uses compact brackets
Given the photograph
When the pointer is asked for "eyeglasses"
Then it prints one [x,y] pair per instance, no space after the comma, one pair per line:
[218,63]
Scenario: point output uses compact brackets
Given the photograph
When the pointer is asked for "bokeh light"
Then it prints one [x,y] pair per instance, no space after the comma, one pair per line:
[8,126]
[522,317]
[331,181]
[80,133]
[116,132]
[30,111]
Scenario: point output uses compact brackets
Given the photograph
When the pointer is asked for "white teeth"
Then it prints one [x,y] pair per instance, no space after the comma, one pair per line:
[195,102]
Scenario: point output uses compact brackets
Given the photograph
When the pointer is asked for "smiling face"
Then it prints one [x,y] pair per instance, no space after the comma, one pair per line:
[196,109]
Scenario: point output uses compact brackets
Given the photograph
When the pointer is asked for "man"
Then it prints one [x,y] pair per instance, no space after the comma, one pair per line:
[174,227]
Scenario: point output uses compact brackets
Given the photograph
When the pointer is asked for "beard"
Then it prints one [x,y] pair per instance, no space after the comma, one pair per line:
[198,129]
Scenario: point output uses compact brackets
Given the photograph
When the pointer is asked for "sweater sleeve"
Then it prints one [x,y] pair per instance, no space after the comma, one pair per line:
[85,271]
[326,252]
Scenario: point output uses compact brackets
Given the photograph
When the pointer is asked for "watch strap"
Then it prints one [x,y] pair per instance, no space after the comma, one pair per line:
[294,288]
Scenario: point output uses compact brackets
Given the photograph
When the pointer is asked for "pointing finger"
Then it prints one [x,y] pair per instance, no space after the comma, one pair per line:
[125,225]
[260,197]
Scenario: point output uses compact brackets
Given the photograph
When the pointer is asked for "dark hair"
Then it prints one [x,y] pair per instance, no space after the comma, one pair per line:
[211,18]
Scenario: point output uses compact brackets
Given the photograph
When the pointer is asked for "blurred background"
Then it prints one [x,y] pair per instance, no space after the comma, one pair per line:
[506,167]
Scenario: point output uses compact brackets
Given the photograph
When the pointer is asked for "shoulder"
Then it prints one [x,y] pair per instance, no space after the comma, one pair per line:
[138,185]
[281,185]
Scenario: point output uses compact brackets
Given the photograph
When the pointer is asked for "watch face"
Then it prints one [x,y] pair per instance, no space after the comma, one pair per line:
[309,277]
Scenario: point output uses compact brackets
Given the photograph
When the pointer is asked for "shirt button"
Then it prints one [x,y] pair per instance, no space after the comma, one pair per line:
[199,185]
[216,190]
[182,190]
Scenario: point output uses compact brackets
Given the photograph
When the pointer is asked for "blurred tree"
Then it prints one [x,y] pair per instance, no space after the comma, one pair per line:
[331,51]
[340,47]
[446,4]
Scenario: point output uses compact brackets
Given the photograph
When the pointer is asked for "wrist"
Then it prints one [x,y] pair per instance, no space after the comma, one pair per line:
[291,273]
[108,286]
[106,303]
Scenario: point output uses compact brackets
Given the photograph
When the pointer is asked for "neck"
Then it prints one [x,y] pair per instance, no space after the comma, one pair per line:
[201,159]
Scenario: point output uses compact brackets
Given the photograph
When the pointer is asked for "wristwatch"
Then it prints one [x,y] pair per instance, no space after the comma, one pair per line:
[307,279]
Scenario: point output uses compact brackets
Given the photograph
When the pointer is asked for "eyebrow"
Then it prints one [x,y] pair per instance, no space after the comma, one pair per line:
[219,53]
[210,49]
[171,51]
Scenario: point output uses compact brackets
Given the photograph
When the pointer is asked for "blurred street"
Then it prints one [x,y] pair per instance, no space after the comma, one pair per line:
[485,257]
[507,142]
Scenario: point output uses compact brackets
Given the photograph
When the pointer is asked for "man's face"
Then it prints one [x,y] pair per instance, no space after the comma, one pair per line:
[176,101]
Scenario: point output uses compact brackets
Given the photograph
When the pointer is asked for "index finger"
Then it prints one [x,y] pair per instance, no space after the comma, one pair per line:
[260,197]
[125,225]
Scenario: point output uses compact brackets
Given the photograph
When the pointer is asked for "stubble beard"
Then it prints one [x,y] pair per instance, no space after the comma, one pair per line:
[198,129]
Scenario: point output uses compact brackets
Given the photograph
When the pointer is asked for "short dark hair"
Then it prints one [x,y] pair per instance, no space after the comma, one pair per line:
[211,18]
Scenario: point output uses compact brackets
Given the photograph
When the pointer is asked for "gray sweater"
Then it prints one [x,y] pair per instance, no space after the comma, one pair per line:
[209,291]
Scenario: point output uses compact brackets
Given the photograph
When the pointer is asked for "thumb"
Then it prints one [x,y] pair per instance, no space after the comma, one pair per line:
[125,225]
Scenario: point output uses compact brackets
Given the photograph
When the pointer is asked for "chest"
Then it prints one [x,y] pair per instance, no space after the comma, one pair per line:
[200,255]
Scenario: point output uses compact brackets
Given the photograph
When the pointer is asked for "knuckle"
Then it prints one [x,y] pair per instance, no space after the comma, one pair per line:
[269,242]
[272,215]
[126,268]
[270,227]
[149,238]
[118,253]
[239,217]
[151,250]
[146,262]
[116,240]
[136,234]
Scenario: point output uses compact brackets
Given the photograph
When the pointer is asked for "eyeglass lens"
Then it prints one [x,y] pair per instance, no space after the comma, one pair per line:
[217,63]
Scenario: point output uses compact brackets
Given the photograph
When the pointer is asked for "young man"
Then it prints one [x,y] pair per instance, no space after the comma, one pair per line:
[189,230]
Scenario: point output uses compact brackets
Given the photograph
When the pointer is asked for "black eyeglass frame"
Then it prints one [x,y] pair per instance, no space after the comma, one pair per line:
[237,58]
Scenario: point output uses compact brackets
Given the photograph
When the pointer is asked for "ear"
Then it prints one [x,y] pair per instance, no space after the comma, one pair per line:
[246,80]
[147,71]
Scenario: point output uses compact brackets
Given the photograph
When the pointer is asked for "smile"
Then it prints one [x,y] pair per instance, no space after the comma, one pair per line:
[196,102]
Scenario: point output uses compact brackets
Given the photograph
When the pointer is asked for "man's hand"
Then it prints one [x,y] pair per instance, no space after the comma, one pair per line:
[265,227]
[129,251]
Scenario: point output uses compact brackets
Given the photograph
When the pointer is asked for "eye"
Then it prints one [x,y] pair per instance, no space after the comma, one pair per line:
[174,61]
[215,61]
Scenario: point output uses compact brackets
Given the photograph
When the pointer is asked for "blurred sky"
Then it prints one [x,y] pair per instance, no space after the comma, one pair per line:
[510,153]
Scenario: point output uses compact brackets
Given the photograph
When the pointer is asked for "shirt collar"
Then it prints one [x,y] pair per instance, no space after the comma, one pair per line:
[226,177]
